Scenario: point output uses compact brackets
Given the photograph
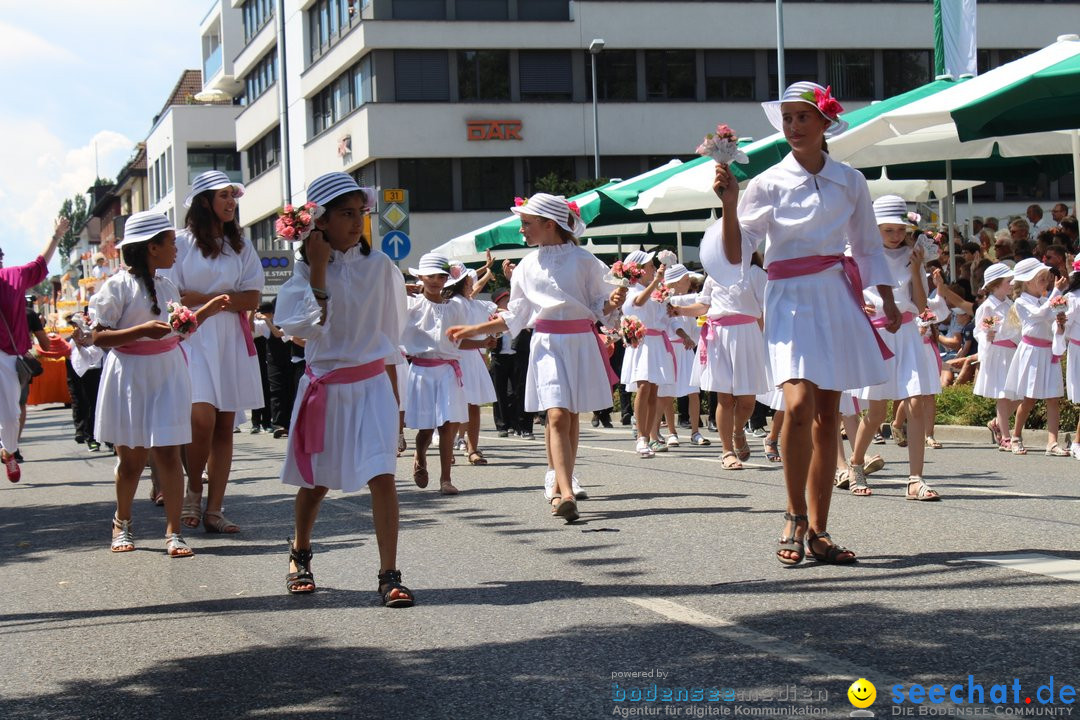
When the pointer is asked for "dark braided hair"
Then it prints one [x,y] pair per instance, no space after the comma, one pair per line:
[135,257]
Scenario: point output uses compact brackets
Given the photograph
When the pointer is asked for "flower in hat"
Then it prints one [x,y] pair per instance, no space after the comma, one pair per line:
[829,106]
[573,207]
[519,201]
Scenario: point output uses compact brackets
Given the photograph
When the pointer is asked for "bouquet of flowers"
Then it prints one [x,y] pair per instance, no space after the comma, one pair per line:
[1059,304]
[181,318]
[722,146]
[667,258]
[632,330]
[927,318]
[296,223]
[662,293]
[624,274]
[990,323]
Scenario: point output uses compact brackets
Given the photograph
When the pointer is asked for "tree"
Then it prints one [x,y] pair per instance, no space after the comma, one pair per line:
[553,184]
[75,210]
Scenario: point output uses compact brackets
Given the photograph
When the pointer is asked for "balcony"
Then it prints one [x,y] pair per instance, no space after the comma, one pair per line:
[212,65]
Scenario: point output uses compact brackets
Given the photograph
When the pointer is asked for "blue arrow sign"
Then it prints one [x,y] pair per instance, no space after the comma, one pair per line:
[396,244]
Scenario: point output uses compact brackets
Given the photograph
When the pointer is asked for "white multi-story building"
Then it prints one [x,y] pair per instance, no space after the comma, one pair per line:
[466,103]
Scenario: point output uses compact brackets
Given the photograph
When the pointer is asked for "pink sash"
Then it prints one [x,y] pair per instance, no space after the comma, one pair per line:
[149,347]
[1036,342]
[937,356]
[437,362]
[245,330]
[573,327]
[667,346]
[1005,344]
[309,434]
[797,267]
[708,333]
[883,321]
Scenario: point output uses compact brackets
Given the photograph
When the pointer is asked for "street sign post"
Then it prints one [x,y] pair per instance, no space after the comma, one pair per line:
[396,244]
[394,211]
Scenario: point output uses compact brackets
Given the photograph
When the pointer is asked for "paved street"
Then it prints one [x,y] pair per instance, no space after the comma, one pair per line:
[669,579]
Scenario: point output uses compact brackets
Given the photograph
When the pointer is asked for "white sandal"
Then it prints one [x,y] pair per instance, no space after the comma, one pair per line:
[176,546]
[123,541]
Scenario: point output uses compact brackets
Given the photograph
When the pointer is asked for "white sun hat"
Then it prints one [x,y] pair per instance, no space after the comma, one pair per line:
[1027,269]
[640,257]
[552,207]
[814,95]
[211,180]
[996,272]
[675,273]
[438,264]
[326,187]
[143,226]
[892,210]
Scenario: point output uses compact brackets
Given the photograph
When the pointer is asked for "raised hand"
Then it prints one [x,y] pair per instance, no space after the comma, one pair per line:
[724,185]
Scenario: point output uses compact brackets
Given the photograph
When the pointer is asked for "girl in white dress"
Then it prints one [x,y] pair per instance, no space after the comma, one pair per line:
[560,291]
[144,399]
[434,395]
[348,304]
[809,210]
[997,345]
[1067,334]
[731,350]
[683,331]
[652,362]
[479,389]
[213,258]
[912,374]
[1035,371]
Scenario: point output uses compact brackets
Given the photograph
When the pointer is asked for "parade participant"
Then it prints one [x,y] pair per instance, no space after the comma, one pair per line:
[502,374]
[212,257]
[683,330]
[144,400]
[560,290]
[997,345]
[911,373]
[1035,371]
[1067,332]
[479,389]
[809,210]
[348,304]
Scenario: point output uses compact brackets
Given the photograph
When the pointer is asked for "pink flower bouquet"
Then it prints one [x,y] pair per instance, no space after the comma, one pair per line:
[296,223]
[662,293]
[722,146]
[181,318]
[927,317]
[990,323]
[632,330]
[624,274]
[1059,304]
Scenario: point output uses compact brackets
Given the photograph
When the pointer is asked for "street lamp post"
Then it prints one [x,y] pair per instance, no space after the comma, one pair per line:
[594,49]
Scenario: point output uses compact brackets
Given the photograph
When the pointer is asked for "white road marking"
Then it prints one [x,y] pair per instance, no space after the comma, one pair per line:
[1035,563]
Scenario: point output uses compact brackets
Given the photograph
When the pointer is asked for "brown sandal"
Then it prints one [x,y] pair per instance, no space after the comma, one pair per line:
[742,447]
[419,475]
[730,461]
[479,458]
[216,522]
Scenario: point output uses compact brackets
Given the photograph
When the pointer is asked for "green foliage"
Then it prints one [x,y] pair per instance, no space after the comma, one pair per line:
[76,211]
[553,184]
[957,405]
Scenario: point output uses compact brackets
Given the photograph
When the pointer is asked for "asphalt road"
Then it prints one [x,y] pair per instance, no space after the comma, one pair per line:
[667,584]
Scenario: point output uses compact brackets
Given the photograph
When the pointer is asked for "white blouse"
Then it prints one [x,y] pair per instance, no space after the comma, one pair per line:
[899,263]
[999,309]
[365,313]
[1036,316]
[798,214]
[226,273]
[425,328]
[557,282]
[747,297]
[653,315]
[1072,317]
[122,302]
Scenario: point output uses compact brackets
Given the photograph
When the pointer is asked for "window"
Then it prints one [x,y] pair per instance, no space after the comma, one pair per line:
[729,75]
[850,73]
[616,75]
[328,22]
[799,66]
[905,70]
[263,233]
[227,161]
[429,182]
[168,159]
[670,75]
[345,93]
[261,77]
[562,168]
[486,183]
[256,14]
[419,10]
[421,75]
[264,154]
[482,10]
[366,176]
[543,10]
[483,74]
[545,75]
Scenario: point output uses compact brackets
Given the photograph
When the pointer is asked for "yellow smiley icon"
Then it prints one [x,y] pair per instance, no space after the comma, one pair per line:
[862,693]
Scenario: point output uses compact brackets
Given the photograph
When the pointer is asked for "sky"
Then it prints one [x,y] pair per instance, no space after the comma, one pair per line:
[80,75]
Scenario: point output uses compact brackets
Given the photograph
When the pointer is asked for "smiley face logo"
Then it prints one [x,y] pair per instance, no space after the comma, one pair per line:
[862,693]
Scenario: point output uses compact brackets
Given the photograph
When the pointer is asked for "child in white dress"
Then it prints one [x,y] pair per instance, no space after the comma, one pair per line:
[144,399]
[560,291]
[997,345]
[683,331]
[347,303]
[1035,371]
[810,210]
[212,258]
[479,388]
[1067,335]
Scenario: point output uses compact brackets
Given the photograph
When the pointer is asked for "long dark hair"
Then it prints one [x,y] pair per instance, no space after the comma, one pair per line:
[330,206]
[200,220]
[454,290]
[136,258]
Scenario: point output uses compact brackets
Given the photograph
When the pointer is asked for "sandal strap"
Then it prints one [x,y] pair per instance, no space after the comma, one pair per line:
[175,541]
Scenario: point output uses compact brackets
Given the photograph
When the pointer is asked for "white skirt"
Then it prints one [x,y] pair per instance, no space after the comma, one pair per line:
[911,371]
[144,400]
[849,404]
[222,372]
[685,370]
[479,390]
[994,362]
[774,399]
[735,361]
[567,371]
[432,397]
[10,390]
[1072,372]
[360,441]
[650,361]
[814,330]
[1033,374]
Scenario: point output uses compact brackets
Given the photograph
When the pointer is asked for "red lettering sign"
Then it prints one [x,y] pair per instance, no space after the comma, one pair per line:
[476,130]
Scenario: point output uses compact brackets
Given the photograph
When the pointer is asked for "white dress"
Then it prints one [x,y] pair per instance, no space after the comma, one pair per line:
[815,328]
[736,362]
[912,371]
[479,389]
[1070,340]
[686,357]
[566,370]
[223,374]
[143,400]
[650,361]
[1033,372]
[364,319]
[994,360]
[433,396]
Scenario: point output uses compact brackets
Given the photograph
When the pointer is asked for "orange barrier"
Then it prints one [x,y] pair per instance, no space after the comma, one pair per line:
[51,385]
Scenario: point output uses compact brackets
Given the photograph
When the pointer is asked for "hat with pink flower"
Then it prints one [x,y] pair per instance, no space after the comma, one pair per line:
[812,94]
[566,215]
[438,264]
